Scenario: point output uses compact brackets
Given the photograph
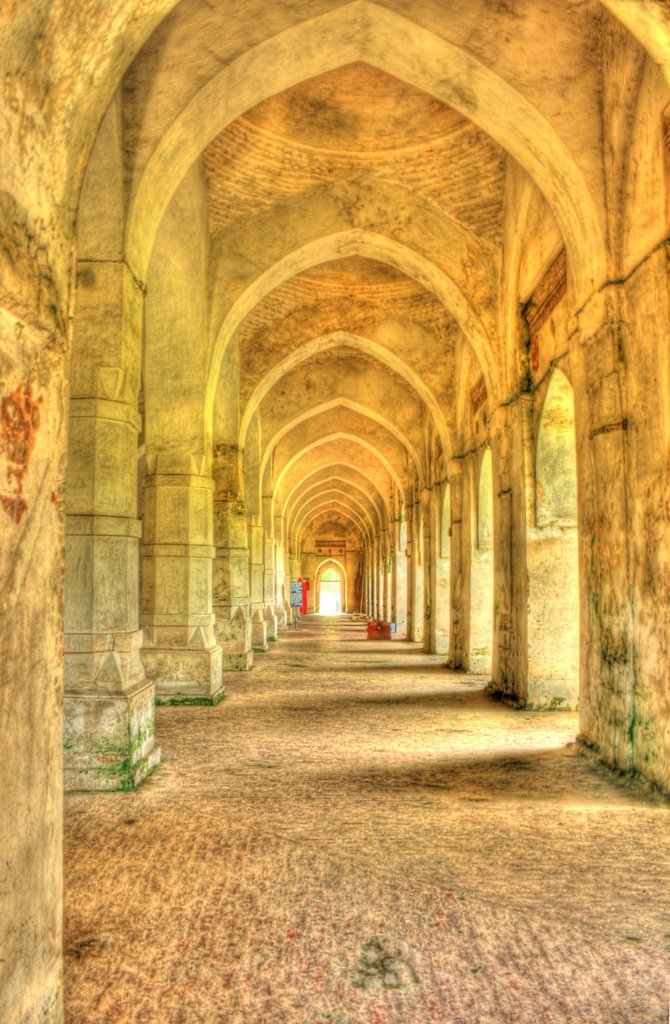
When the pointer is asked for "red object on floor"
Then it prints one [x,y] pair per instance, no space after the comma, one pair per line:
[378,630]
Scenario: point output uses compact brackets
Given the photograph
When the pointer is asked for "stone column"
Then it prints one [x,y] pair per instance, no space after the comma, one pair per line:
[109,702]
[180,652]
[416,577]
[400,578]
[385,567]
[441,600]
[636,662]
[459,641]
[231,598]
[509,672]
[281,602]
[259,631]
[269,587]
[429,555]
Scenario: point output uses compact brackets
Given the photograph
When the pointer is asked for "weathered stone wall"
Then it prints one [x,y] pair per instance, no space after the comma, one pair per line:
[357,341]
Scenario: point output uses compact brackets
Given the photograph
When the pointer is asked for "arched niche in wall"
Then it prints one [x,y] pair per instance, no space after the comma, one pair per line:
[556,459]
[481,570]
[552,557]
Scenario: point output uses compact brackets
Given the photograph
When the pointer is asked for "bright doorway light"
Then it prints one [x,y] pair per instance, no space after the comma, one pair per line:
[330,593]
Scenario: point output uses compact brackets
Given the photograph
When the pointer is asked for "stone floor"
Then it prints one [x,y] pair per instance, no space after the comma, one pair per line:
[358,836]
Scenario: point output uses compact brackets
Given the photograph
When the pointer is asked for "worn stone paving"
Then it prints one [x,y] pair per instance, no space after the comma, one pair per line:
[357,835]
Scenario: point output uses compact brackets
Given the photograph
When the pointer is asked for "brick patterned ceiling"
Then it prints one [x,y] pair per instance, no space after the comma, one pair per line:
[347,122]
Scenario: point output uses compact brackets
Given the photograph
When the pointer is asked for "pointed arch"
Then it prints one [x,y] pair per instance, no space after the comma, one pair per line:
[364,31]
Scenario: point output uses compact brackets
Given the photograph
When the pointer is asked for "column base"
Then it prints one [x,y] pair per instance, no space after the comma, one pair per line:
[271,624]
[185,676]
[109,739]
[259,633]
[552,695]
[234,635]
[241,662]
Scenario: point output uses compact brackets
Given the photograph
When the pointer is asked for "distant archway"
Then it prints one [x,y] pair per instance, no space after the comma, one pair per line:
[330,581]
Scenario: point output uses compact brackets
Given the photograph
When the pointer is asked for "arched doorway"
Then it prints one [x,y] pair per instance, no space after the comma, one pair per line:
[331,588]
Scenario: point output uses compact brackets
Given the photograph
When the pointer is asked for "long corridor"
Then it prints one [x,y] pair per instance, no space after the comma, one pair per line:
[357,835]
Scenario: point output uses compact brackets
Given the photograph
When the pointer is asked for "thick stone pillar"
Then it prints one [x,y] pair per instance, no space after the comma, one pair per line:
[400,577]
[259,630]
[32,464]
[230,588]
[603,461]
[509,671]
[416,577]
[281,602]
[269,613]
[459,641]
[109,701]
[180,652]
[440,512]
[619,357]
[386,560]
[429,594]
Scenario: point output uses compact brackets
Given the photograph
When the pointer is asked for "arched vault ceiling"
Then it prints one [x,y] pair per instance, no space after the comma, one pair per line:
[344,379]
[333,524]
[334,499]
[348,477]
[327,489]
[335,450]
[256,257]
[509,84]
[373,310]
[341,245]
[373,437]
[346,416]
[341,124]
[329,523]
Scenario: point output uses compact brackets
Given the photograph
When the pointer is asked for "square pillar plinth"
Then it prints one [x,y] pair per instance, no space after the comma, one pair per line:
[259,632]
[234,634]
[109,738]
[231,592]
[184,675]
[180,653]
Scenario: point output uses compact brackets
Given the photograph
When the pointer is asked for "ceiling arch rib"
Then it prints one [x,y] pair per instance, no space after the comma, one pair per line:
[317,522]
[352,242]
[330,444]
[649,22]
[355,476]
[358,430]
[326,506]
[332,494]
[340,339]
[356,407]
[334,483]
[363,31]
[307,522]
[449,261]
